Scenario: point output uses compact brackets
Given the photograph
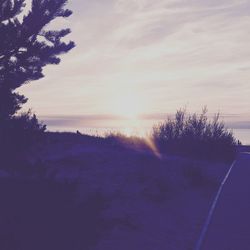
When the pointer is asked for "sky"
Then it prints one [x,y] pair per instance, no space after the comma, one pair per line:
[148,58]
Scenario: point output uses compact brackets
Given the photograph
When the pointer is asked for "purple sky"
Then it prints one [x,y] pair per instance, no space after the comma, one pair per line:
[148,57]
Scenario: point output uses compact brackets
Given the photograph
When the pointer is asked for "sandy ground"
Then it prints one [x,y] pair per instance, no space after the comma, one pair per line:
[140,201]
[153,203]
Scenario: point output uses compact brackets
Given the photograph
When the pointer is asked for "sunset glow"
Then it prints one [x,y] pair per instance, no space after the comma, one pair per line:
[144,58]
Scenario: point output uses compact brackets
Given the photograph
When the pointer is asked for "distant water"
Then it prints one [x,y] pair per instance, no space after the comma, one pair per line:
[102,126]
[243,135]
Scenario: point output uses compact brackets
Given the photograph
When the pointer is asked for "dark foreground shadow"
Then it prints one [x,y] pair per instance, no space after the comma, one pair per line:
[38,215]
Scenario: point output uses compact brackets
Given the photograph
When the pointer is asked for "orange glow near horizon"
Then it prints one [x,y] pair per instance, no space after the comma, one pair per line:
[151,144]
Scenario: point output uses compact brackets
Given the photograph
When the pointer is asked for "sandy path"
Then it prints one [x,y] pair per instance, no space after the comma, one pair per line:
[230,224]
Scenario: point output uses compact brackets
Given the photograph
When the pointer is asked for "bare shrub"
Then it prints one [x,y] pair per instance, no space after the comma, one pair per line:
[195,135]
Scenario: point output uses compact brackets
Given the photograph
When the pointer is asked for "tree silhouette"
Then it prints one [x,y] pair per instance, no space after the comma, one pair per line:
[26,47]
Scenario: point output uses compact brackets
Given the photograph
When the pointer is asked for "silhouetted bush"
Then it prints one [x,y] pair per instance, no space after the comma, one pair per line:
[195,135]
[17,135]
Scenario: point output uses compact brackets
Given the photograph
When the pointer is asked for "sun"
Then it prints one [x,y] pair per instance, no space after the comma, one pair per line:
[129,108]
[128,105]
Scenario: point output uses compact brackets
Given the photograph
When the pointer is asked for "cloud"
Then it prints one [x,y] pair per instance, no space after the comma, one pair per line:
[172,53]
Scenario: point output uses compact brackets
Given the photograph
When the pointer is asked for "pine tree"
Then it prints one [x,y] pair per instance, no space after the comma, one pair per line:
[26,47]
